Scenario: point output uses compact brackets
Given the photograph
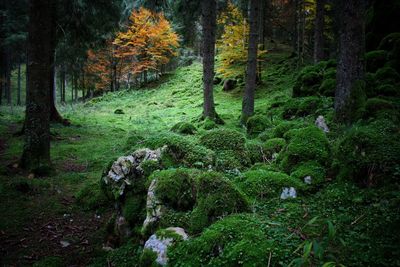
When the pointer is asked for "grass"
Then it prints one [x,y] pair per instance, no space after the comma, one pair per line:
[80,153]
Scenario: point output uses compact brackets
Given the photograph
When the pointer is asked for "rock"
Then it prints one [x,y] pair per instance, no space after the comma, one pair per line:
[160,244]
[126,169]
[154,207]
[65,244]
[122,227]
[320,123]
[307,179]
[229,85]
[288,192]
[119,111]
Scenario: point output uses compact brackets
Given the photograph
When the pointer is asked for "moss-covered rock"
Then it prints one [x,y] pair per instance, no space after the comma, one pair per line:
[237,240]
[304,145]
[301,106]
[283,127]
[216,198]
[375,59]
[223,139]
[369,154]
[311,169]
[257,124]
[387,75]
[184,128]
[328,87]
[375,107]
[263,184]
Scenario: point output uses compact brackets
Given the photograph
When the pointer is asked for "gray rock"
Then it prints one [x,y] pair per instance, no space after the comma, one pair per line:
[320,123]
[154,207]
[288,192]
[160,244]
[122,227]
[307,179]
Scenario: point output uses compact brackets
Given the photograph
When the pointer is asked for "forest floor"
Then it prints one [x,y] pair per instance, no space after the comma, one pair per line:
[47,220]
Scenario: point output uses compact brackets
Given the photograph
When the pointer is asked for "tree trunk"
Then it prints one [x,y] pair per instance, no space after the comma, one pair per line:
[319,40]
[251,73]
[8,76]
[19,85]
[209,18]
[41,39]
[350,69]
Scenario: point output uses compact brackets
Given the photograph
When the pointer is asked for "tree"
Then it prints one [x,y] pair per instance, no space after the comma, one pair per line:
[209,17]
[319,27]
[41,38]
[148,43]
[251,73]
[350,69]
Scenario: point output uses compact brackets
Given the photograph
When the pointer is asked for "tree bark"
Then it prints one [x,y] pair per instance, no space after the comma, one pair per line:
[19,85]
[209,18]
[350,69]
[251,73]
[36,151]
[319,40]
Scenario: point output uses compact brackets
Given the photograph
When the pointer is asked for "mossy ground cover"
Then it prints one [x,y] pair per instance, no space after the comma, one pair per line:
[364,220]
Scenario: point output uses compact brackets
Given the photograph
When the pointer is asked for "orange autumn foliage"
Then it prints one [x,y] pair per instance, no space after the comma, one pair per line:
[148,43]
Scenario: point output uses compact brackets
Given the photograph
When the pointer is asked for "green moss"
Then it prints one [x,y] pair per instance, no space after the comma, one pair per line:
[216,198]
[223,139]
[50,261]
[209,124]
[257,124]
[328,87]
[238,240]
[148,258]
[133,141]
[310,168]
[388,42]
[267,134]
[368,154]
[387,75]
[229,160]
[280,130]
[91,197]
[330,74]
[376,106]
[184,128]
[133,209]
[302,106]
[175,188]
[149,166]
[274,145]
[181,151]
[261,184]
[388,90]
[375,59]
[266,167]
[304,145]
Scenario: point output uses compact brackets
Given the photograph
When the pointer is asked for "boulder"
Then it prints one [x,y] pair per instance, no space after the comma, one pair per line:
[125,170]
[288,192]
[154,207]
[320,123]
[229,85]
[162,240]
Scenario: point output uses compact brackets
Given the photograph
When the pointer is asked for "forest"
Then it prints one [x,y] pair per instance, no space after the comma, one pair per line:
[199,133]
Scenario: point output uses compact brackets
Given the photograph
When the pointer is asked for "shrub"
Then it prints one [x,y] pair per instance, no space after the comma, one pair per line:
[223,139]
[375,59]
[216,198]
[184,128]
[300,107]
[262,184]
[368,154]
[304,145]
[312,169]
[257,124]
[232,241]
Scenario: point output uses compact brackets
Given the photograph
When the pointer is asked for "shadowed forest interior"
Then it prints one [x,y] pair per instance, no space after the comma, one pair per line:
[199,133]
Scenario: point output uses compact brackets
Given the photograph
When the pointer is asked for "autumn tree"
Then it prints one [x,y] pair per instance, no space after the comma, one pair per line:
[148,42]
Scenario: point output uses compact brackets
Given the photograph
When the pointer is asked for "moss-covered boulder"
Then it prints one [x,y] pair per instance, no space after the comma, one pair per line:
[237,240]
[184,128]
[283,127]
[264,185]
[304,145]
[375,59]
[369,154]
[387,75]
[311,173]
[376,107]
[273,147]
[190,199]
[257,124]
[301,106]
